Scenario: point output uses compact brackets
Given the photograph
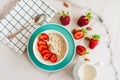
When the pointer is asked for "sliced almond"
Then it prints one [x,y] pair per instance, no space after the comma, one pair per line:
[89,28]
[87,59]
[87,38]
[65,4]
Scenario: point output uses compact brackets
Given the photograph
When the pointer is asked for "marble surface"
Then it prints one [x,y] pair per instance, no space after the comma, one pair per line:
[18,67]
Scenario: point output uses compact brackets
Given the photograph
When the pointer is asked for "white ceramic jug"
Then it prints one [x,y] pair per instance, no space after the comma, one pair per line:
[85,71]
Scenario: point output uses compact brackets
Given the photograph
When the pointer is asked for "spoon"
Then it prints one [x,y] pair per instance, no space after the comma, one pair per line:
[38,20]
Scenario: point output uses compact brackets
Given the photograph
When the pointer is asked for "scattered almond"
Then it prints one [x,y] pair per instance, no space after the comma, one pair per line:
[73,31]
[65,4]
[89,28]
[87,38]
[87,59]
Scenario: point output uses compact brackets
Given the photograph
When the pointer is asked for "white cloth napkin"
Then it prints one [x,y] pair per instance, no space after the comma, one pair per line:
[19,16]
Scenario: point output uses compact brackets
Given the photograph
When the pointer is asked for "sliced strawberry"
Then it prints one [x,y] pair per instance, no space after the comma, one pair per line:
[78,34]
[53,58]
[80,50]
[42,47]
[41,42]
[43,36]
[47,56]
[45,51]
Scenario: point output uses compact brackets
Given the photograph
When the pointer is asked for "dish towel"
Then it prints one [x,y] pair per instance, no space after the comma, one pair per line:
[19,16]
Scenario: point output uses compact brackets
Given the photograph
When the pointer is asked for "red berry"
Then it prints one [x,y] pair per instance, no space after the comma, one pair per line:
[65,18]
[41,42]
[78,34]
[84,20]
[43,36]
[45,51]
[47,56]
[53,58]
[94,41]
[81,50]
[42,47]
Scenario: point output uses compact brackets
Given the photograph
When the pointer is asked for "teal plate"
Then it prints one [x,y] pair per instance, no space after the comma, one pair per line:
[70,53]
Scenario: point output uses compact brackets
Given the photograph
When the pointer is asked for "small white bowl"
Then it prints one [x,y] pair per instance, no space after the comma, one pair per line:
[37,53]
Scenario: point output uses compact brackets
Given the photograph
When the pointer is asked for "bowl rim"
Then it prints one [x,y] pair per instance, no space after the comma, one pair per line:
[66,52]
[69,60]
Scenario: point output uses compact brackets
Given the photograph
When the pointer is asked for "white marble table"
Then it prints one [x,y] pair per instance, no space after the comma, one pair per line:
[18,67]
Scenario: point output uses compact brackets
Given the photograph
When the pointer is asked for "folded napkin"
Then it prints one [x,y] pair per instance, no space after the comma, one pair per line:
[19,16]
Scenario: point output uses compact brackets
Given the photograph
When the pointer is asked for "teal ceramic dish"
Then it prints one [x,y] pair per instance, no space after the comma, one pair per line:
[70,52]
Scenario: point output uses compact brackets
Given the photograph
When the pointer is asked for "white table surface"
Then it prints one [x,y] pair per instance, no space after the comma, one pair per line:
[18,67]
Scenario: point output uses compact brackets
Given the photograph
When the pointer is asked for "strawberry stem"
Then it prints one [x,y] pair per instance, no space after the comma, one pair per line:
[67,14]
[96,37]
[64,14]
[84,31]
[89,15]
[87,52]
[39,35]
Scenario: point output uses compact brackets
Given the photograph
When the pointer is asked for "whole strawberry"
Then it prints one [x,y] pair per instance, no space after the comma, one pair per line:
[94,41]
[65,18]
[84,19]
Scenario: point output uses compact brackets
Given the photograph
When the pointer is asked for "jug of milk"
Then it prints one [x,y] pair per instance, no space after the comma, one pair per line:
[84,71]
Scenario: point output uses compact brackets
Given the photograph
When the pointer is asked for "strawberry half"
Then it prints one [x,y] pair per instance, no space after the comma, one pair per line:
[47,56]
[43,36]
[65,18]
[81,50]
[84,19]
[79,34]
[45,51]
[53,58]
[41,42]
[42,47]
[94,41]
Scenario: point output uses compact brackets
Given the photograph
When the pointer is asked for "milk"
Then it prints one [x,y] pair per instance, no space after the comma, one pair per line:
[87,72]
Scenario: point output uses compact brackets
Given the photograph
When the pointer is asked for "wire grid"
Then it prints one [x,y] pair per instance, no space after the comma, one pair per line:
[21,15]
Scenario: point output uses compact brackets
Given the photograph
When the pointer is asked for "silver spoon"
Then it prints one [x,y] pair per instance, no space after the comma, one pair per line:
[38,20]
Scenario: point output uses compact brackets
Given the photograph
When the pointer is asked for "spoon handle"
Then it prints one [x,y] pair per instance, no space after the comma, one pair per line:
[12,35]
